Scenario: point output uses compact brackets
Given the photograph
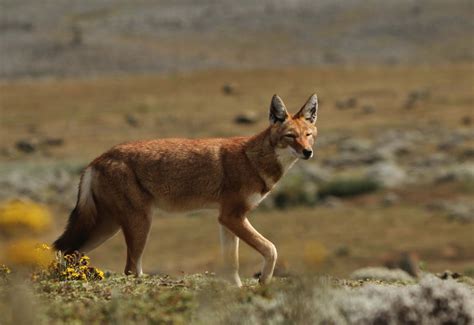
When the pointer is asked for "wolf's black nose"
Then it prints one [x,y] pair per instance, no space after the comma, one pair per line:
[307,153]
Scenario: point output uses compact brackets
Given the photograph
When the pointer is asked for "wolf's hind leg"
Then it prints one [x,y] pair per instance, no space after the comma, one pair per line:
[136,229]
[105,229]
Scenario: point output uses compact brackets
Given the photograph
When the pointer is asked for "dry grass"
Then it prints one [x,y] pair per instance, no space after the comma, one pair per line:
[202,299]
[90,113]
[367,234]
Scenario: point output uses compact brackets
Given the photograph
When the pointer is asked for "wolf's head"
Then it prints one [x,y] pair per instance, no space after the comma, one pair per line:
[295,133]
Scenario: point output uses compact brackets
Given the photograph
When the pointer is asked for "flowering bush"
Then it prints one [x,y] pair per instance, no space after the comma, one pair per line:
[4,271]
[28,253]
[47,265]
[20,216]
[74,266]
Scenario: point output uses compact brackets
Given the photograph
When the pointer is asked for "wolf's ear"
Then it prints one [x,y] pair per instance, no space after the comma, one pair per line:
[310,110]
[278,112]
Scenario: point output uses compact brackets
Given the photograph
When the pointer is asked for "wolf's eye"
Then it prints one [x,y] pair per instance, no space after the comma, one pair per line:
[290,136]
[309,134]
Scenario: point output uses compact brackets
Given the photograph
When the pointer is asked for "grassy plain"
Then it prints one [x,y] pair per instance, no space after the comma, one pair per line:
[91,115]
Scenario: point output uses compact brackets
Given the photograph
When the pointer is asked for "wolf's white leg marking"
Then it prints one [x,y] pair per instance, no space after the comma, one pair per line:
[230,253]
[245,231]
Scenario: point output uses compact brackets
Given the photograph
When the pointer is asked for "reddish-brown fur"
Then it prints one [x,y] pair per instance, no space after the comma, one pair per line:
[119,188]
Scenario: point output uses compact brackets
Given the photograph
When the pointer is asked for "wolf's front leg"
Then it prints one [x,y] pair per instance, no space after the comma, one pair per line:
[241,227]
[230,252]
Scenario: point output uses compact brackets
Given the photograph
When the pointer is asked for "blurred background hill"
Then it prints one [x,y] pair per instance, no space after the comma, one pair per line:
[392,183]
[64,38]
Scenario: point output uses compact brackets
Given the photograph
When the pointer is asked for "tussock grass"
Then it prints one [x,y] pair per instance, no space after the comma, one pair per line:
[346,187]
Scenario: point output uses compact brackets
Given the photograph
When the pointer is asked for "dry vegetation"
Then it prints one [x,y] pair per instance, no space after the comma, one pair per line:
[332,215]
[203,299]
[91,115]
[388,197]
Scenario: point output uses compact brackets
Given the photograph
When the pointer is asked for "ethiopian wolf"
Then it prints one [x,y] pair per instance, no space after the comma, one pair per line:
[119,189]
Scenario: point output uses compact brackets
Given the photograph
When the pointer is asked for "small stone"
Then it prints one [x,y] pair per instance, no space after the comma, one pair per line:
[32,128]
[448,274]
[342,251]
[53,142]
[466,120]
[132,120]
[247,117]
[390,199]
[368,109]
[414,97]
[229,89]
[350,102]
[26,146]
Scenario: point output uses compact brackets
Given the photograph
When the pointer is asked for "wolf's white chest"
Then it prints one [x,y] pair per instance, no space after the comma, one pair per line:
[254,199]
[286,157]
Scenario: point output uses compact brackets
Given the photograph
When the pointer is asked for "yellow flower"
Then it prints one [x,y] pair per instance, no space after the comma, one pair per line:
[72,267]
[45,247]
[4,270]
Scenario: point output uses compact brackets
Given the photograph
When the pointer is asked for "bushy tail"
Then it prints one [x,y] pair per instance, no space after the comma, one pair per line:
[76,234]
[82,219]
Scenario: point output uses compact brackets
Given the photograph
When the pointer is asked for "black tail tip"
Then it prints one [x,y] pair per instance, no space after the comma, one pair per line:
[62,245]
[58,245]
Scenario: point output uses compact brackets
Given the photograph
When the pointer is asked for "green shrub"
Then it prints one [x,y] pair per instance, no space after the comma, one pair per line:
[295,190]
[468,185]
[346,187]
